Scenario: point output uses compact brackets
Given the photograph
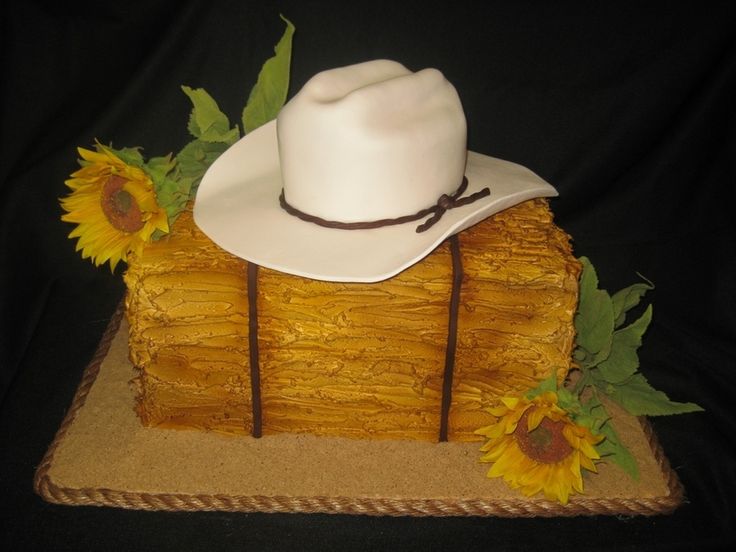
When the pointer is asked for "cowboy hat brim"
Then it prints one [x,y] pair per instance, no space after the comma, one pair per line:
[237,206]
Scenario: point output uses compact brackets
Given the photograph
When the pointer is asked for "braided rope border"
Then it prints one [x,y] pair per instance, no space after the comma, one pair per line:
[531,507]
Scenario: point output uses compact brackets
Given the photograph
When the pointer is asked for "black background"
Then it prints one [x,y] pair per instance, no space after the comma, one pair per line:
[626,107]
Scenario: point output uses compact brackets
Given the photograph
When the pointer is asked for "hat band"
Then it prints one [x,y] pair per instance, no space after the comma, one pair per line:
[444,203]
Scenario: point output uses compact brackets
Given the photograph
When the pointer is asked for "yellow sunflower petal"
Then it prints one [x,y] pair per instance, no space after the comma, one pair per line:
[510,402]
[535,418]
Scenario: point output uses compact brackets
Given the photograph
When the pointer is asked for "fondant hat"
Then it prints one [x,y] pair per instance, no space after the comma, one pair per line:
[363,173]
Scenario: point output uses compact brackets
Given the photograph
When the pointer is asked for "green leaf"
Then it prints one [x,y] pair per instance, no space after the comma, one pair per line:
[594,319]
[567,400]
[594,325]
[172,194]
[588,278]
[613,450]
[159,167]
[626,299]
[194,160]
[169,193]
[129,156]
[591,414]
[595,417]
[639,398]
[608,359]
[623,360]
[547,384]
[207,122]
[269,93]
[196,157]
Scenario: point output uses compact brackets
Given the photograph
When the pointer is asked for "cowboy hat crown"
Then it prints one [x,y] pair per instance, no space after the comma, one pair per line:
[371,141]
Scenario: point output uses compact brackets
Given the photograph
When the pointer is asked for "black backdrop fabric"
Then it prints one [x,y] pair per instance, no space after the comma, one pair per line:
[626,107]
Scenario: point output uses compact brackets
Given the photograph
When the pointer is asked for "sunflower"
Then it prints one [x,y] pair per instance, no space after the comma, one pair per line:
[114,206]
[535,446]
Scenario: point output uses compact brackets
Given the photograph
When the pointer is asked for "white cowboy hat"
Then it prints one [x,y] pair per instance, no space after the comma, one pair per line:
[358,144]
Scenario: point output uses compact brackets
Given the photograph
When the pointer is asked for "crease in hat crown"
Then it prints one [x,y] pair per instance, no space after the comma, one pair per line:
[371,141]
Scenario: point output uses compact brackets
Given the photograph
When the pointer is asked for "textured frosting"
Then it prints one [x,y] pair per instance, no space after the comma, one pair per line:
[351,359]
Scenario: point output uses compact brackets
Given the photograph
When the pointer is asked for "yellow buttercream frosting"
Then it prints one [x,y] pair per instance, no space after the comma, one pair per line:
[351,359]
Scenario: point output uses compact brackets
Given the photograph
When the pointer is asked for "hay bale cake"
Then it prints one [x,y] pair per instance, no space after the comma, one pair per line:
[361,360]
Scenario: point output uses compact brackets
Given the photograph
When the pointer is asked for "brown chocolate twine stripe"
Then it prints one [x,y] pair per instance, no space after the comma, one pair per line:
[457,281]
[374,506]
[444,203]
[255,365]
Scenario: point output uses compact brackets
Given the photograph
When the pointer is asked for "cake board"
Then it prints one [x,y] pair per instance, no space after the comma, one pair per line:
[103,456]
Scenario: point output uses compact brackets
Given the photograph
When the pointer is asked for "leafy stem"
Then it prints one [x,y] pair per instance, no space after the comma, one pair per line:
[607,356]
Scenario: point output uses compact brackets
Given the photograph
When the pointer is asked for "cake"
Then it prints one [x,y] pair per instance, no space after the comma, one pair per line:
[351,359]
[348,269]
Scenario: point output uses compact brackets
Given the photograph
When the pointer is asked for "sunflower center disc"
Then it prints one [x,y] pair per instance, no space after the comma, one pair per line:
[119,206]
[545,443]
